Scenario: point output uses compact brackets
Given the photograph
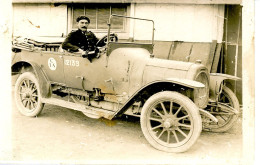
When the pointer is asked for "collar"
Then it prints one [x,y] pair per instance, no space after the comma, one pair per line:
[83,31]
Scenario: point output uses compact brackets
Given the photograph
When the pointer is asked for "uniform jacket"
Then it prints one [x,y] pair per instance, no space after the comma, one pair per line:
[76,39]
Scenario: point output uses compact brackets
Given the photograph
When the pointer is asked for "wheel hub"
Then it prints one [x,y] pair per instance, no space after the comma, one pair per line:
[167,124]
[27,94]
[170,123]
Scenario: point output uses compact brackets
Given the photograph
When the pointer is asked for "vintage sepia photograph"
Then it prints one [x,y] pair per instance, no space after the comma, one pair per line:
[127,82]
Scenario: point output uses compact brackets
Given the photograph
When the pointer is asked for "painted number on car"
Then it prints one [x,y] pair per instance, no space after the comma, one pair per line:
[71,63]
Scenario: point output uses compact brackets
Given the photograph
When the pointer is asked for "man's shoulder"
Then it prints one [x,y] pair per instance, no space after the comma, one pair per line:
[74,31]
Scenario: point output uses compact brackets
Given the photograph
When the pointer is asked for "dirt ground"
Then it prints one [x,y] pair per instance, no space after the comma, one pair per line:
[60,135]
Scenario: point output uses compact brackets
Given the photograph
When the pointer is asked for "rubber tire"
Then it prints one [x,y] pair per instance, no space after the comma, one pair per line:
[187,104]
[21,108]
[228,92]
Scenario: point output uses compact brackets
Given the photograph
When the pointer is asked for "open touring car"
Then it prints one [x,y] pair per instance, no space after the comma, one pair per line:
[175,100]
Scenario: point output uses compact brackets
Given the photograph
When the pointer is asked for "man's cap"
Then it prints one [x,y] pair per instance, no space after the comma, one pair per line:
[83,17]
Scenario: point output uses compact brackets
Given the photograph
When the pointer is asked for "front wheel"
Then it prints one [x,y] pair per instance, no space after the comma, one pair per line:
[226,111]
[27,95]
[170,122]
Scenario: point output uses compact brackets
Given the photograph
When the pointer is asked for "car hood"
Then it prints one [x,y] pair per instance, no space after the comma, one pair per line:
[170,64]
[159,69]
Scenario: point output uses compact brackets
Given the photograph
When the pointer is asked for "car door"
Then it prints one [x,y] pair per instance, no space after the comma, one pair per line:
[52,64]
[80,73]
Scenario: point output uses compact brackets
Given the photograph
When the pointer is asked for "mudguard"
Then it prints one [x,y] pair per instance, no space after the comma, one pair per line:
[186,82]
[216,83]
[45,89]
[42,79]
[183,82]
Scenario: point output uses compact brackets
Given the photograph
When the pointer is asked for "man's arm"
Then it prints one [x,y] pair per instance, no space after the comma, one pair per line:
[95,39]
[67,44]
[92,37]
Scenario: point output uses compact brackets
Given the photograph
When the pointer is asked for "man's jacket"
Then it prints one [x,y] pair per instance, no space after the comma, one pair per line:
[76,39]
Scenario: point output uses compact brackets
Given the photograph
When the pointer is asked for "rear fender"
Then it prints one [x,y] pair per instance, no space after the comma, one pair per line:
[216,83]
[181,83]
[39,73]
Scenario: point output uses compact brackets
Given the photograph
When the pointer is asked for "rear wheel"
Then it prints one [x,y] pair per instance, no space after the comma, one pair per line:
[170,122]
[27,95]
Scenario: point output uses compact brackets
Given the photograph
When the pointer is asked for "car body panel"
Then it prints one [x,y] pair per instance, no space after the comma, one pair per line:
[50,62]
[83,74]
[115,45]
[126,66]
[216,83]
[123,72]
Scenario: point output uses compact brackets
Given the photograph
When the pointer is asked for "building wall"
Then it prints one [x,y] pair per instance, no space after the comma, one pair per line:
[39,20]
[182,32]
[174,22]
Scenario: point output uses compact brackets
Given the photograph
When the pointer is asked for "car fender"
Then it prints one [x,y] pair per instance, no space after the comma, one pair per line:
[175,81]
[41,76]
[186,82]
[216,83]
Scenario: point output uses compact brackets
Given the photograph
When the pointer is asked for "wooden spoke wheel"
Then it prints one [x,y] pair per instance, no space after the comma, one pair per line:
[170,122]
[226,111]
[27,95]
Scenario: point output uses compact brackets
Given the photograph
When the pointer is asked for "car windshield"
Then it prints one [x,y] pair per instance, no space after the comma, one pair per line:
[143,28]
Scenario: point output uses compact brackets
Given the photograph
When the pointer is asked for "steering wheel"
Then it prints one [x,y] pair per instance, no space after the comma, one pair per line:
[100,47]
[103,41]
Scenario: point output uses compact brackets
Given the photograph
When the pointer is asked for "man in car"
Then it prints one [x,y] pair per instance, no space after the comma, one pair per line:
[80,40]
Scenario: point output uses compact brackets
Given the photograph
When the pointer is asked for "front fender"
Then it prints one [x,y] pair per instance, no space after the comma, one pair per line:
[216,83]
[173,81]
[186,82]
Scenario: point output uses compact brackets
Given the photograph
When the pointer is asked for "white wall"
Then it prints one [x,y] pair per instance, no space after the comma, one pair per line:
[39,20]
[190,23]
[173,22]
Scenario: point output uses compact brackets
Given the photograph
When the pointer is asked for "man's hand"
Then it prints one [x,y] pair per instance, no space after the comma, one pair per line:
[82,52]
[102,49]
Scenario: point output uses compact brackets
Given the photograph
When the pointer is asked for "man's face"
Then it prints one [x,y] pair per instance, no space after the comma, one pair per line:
[83,25]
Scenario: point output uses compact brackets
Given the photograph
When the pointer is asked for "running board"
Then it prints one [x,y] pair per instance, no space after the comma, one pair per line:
[92,112]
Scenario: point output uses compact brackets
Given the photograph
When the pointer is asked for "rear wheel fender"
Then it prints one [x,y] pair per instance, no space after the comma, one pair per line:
[27,66]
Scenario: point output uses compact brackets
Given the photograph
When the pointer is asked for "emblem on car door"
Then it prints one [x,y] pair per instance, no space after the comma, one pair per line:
[52,63]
